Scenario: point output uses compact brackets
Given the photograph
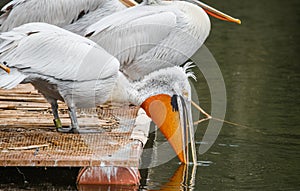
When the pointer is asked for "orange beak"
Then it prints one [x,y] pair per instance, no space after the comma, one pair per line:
[5,68]
[129,3]
[161,111]
[215,13]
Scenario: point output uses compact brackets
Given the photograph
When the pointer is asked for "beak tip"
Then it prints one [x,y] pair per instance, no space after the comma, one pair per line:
[182,158]
[238,21]
[5,68]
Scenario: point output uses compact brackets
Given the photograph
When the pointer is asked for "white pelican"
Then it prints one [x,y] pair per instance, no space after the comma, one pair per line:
[151,36]
[67,67]
[154,35]
[58,12]
[51,59]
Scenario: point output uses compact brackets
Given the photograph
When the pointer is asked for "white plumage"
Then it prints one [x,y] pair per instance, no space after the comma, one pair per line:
[56,12]
[60,64]
[46,43]
[146,38]
[67,67]
[108,7]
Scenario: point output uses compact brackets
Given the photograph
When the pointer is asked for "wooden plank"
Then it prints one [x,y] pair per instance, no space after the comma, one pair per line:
[97,149]
[21,104]
[23,98]
[22,114]
[26,126]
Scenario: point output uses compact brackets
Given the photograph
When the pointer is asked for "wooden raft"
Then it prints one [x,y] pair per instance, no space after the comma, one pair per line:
[28,136]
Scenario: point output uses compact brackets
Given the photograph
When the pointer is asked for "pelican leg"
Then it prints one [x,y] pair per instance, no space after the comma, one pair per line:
[54,107]
[56,120]
[73,117]
[74,124]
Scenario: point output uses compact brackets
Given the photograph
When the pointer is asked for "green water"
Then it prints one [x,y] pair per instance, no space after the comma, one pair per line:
[259,62]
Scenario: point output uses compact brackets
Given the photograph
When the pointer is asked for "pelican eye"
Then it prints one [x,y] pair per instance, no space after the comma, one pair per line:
[185,93]
[174,103]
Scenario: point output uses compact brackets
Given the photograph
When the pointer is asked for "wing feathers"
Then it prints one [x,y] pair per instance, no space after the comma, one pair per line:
[125,17]
[11,80]
[57,12]
[56,53]
[128,34]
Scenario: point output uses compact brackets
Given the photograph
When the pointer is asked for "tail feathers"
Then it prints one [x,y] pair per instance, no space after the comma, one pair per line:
[11,80]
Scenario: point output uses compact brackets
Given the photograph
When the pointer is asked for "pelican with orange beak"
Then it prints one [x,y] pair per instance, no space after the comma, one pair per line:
[73,69]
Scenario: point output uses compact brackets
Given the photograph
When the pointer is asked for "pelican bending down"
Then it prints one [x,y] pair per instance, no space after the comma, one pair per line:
[58,12]
[67,67]
[153,35]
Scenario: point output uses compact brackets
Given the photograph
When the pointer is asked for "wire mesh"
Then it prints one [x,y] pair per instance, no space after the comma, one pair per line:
[28,137]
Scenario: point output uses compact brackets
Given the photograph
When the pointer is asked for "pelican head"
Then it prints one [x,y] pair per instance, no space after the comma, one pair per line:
[165,95]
